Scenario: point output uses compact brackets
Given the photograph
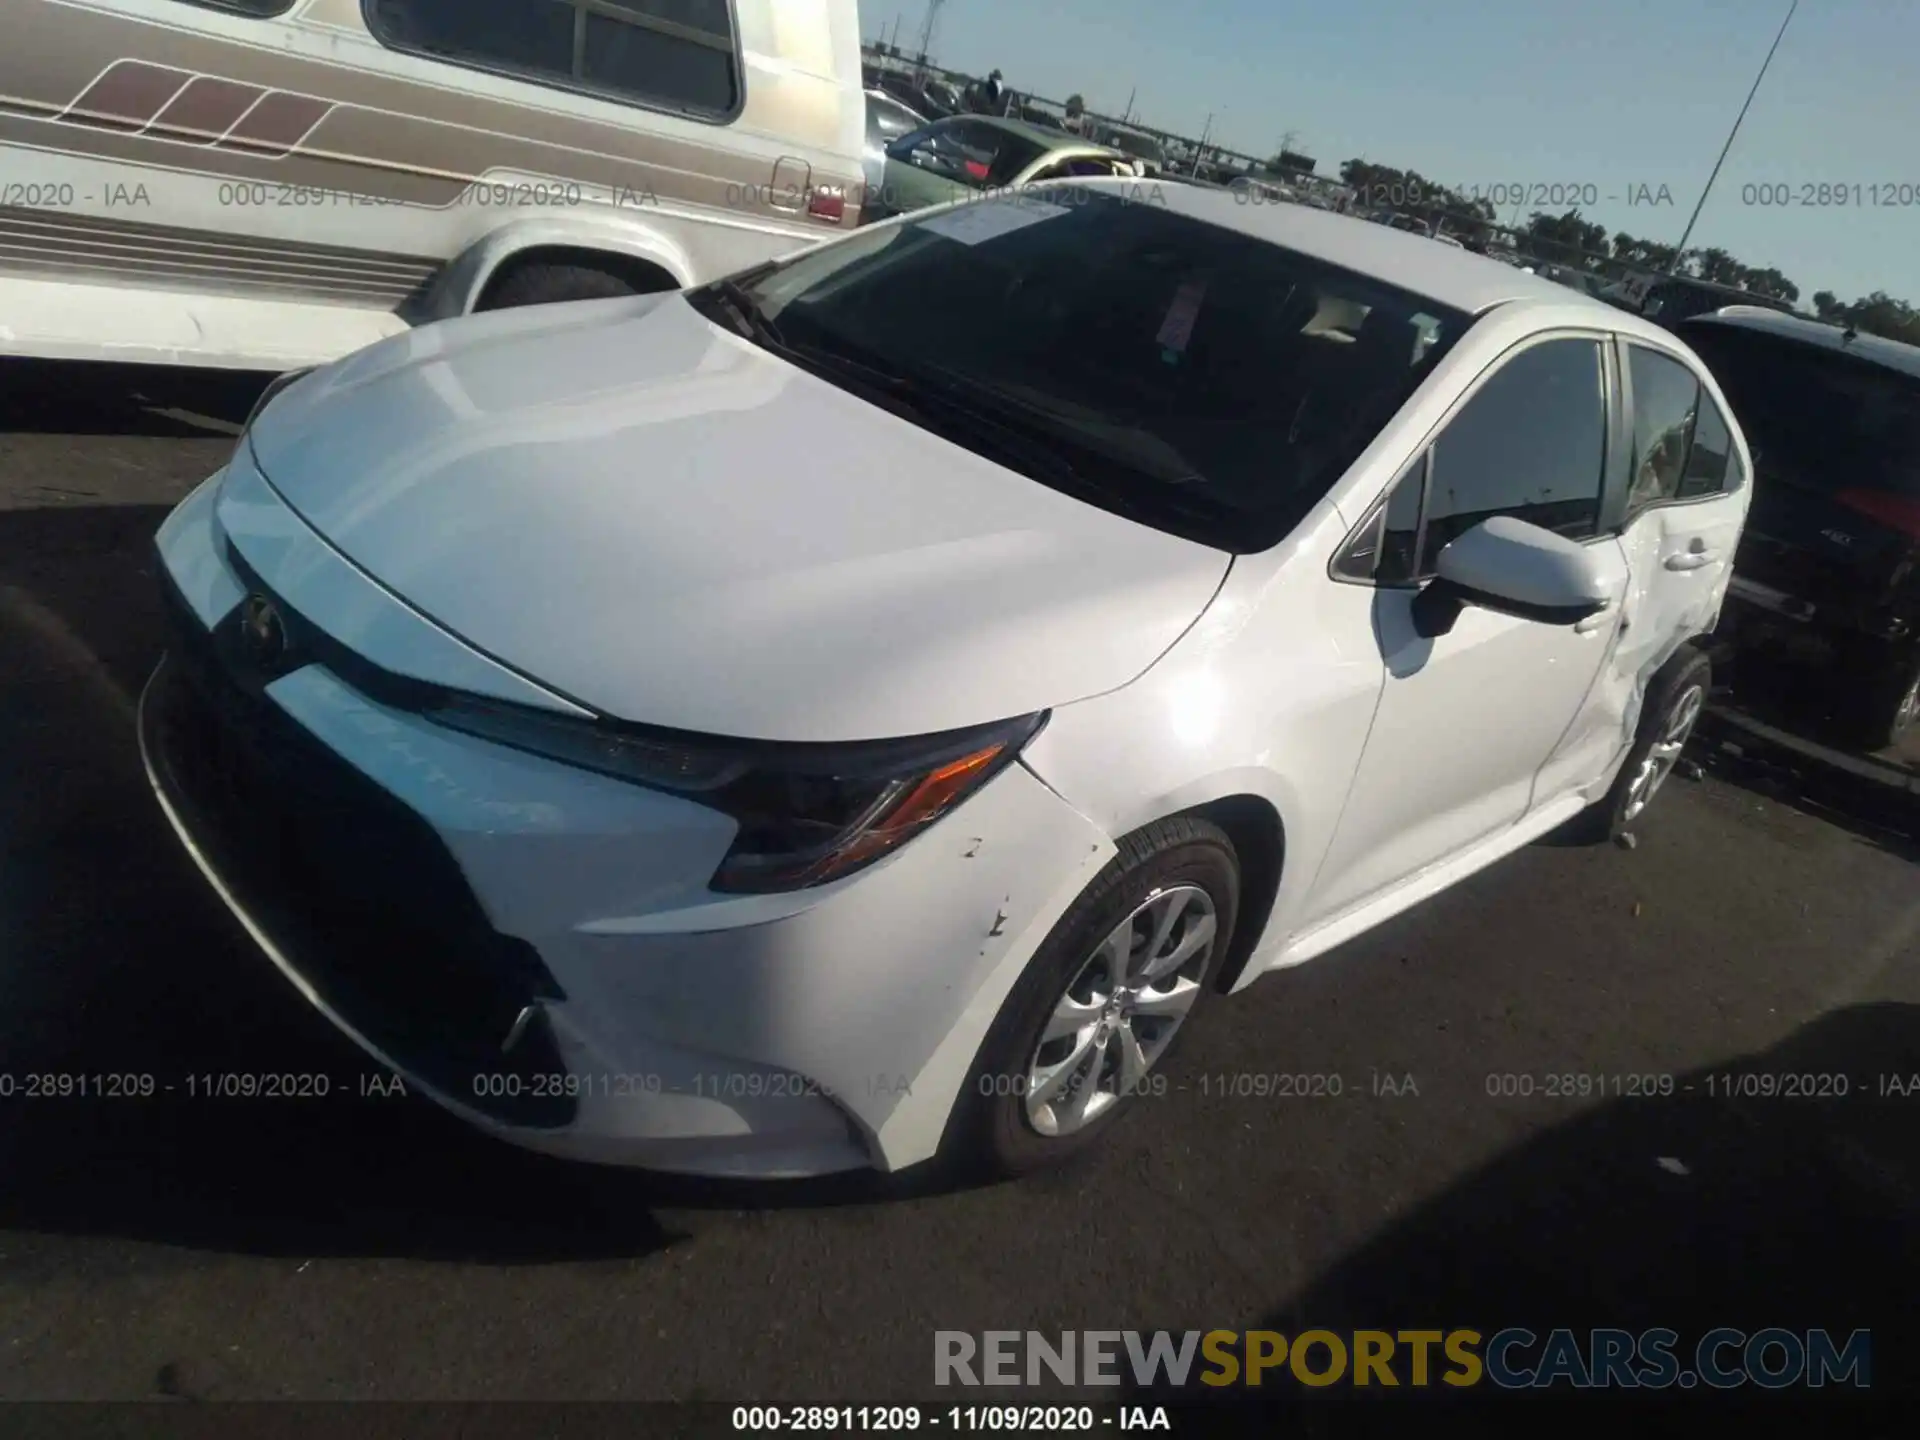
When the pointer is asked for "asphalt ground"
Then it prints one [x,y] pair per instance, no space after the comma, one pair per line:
[372,1248]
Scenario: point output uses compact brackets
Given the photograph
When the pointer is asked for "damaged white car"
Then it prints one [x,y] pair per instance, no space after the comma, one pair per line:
[856,712]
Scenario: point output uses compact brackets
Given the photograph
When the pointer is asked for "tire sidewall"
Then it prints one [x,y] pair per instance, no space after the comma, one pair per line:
[1686,669]
[1003,1139]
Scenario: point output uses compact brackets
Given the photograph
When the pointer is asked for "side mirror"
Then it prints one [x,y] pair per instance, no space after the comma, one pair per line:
[1513,568]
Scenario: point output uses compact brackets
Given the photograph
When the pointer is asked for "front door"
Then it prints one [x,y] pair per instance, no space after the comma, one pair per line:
[1466,721]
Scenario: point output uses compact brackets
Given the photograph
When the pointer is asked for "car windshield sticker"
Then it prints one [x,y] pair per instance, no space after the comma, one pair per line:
[975,224]
[1177,329]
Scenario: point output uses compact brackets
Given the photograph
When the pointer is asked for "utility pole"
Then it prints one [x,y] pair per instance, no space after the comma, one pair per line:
[1685,235]
[926,30]
[1201,152]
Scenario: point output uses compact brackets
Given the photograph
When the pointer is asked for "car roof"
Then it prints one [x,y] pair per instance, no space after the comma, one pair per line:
[1454,277]
[1875,349]
[1038,134]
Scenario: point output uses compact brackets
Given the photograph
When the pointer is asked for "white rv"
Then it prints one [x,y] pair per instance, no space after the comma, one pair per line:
[264,184]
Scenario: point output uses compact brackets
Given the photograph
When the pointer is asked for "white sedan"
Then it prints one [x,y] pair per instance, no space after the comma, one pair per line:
[857,712]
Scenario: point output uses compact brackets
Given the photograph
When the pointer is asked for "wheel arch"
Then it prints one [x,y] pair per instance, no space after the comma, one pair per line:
[1260,841]
[624,248]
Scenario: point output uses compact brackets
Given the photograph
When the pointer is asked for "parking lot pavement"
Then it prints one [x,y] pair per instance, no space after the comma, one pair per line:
[366,1246]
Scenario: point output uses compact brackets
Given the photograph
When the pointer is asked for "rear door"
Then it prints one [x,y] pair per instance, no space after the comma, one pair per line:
[1678,513]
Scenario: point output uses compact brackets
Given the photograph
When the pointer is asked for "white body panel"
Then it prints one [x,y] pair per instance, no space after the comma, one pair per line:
[622,507]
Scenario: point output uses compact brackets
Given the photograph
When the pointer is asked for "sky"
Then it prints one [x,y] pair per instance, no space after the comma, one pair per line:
[1600,98]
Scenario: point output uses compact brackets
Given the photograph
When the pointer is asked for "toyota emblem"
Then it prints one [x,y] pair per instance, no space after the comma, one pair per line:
[262,631]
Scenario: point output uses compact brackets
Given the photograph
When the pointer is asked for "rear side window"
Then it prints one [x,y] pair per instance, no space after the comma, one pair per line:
[1666,397]
[673,54]
[1712,465]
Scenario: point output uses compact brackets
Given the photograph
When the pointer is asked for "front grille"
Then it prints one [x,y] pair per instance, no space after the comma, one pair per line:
[356,889]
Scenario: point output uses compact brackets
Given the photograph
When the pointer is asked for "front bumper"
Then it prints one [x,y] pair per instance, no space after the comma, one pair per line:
[436,897]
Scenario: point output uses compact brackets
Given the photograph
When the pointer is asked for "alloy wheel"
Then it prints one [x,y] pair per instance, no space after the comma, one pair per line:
[1120,1011]
[1664,754]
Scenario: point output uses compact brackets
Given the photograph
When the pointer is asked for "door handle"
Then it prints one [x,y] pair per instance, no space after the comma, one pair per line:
[1692,560]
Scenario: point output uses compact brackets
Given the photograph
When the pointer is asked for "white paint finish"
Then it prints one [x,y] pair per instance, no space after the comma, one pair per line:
[1464,723]
[1442,875]
[646,512]
[878,989]
[802,59]
[648,491]
[71,320]
[324,588]
[189,542]
[1513,560]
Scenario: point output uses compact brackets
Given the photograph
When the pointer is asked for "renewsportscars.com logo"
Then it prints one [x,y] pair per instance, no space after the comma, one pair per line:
[1510,1359]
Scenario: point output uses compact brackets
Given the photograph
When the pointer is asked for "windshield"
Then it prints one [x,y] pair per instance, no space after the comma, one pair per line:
[1819,418]
[977,155]
[1189,376]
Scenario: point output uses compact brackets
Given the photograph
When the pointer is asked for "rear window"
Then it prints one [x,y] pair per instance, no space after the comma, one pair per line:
[1197,378]
[1824,419]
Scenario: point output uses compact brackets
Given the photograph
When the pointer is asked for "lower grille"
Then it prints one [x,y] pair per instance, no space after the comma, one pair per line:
[356,889]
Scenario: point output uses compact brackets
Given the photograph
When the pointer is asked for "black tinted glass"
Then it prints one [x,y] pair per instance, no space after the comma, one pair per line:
[1529,444]
[1711,467]
[670,52]
[1665,396]
[1195,377]
[1821,418]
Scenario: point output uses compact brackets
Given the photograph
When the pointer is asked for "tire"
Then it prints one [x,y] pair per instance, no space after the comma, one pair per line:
[1674,701]
[1889,704]
[995,1131]
[553,284]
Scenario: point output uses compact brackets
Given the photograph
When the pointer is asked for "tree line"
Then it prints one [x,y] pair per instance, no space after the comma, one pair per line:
[1571,239]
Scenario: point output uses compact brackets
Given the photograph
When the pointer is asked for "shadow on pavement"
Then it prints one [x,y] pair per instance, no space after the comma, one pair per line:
[117,961]
[1688,1213]
[82,398]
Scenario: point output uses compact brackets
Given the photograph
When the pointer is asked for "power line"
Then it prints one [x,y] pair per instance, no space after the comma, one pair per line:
[1681,249]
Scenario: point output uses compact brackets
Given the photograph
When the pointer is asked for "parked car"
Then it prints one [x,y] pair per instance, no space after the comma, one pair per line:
[965,154]
[1830,564]
[1672,299]
[887,121]
[737,731]
[1144,148]
[933,98]
[1255,191]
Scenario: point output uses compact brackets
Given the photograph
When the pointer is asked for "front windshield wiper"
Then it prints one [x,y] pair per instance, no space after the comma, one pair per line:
[750,319]
[1025,434]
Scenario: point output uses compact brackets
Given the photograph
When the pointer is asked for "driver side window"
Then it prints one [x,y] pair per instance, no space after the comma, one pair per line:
[1530,443]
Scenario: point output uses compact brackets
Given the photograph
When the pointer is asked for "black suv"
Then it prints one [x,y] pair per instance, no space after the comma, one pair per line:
[1831,551]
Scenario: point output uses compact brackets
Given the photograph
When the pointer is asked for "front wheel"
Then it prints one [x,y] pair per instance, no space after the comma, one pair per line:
[1102,1001]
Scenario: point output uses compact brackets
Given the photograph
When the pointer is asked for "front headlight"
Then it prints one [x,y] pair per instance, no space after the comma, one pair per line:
[807,813]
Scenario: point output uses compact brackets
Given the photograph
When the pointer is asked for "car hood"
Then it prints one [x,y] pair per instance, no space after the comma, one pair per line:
[655,518]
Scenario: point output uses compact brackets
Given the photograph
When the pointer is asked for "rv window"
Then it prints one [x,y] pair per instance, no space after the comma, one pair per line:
[673,53]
